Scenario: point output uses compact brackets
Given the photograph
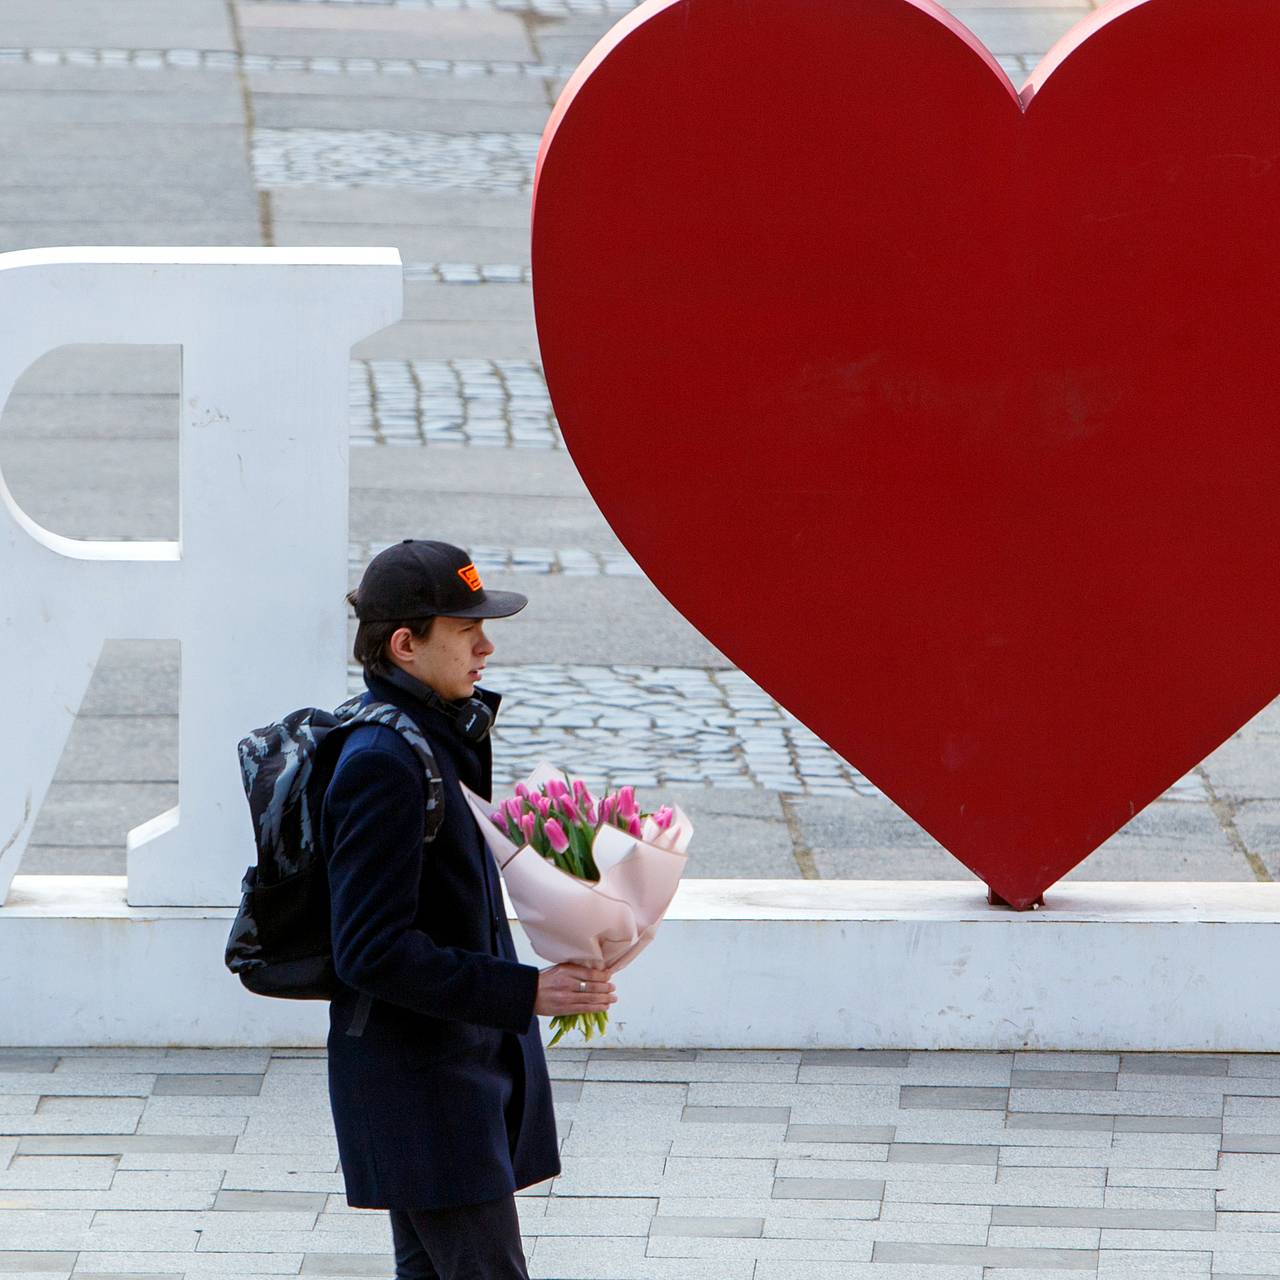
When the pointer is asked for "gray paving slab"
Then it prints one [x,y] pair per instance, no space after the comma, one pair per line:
[488,89]
[147,24]
[148,206]
[959,1098]
[434,33]
[392,206]
[199,156]
[212,1084]
[446,338]
[98,813]
[36,1260]
[817,1188]
[450,115]
[840,1133]
[736,1115]
[134,495]
[417,242]
[707,1227]
[54,234]
[121,749]
[450,305]
[89,417]
[217,102]
[101,369]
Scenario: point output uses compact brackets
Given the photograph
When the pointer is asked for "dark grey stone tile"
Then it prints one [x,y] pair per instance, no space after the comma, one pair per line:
[953,1098]
[10,1061]
[1251,1143]
[87,813]
[566,1090]
[1168,1124]
[345,1264]
[1173,1064]
[75,860]
[1119,1219]
[1100,1080]
[737,1228]
[114,1144]
[737,1115]
[943,1153]
[645,1055]
[239,1084]
[977,1255]
[1058,1120]
[827,1189]
[855,1057]
[875,1133]
[266,1201]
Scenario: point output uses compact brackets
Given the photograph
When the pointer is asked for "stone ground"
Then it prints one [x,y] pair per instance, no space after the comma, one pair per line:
[413,124]
[391,122]
[677,1165]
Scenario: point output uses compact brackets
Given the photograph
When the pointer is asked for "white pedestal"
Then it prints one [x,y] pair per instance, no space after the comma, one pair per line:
[736,964]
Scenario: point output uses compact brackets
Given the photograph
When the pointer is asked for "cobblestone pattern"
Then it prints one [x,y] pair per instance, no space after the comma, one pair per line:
[483,403]
[571,561]
[230,60]
[683,1164]
[467,273]
[651,726]
[492,162]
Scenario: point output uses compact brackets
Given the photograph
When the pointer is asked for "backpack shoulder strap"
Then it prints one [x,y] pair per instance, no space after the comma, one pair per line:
[351,713]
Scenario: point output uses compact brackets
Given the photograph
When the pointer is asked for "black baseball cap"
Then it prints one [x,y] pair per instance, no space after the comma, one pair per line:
[418,578]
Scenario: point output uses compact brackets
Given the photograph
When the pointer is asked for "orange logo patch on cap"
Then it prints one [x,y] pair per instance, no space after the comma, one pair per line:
[469,574]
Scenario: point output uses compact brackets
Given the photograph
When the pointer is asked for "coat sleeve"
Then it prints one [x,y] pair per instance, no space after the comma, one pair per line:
[375,865]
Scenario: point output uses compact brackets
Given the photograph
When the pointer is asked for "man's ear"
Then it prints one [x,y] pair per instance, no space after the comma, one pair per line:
[400,645]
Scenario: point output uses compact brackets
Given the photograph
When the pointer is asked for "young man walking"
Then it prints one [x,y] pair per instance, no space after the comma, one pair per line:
[437,1076]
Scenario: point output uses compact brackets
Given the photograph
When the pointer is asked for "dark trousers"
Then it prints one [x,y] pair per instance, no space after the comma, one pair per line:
[470,1242]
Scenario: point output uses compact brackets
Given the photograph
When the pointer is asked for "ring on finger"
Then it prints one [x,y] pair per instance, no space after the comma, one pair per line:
[582,986]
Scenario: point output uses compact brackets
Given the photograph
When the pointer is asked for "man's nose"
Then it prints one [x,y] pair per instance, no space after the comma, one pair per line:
[485,645]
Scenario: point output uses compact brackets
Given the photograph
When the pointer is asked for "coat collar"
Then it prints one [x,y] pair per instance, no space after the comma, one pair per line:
[402,693]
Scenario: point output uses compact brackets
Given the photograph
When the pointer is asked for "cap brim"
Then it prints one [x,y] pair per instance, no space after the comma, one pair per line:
[496,604]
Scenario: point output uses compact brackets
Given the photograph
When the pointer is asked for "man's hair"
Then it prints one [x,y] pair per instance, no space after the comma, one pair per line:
[372,638]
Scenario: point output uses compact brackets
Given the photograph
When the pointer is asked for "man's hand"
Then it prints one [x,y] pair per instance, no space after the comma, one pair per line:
[558,990]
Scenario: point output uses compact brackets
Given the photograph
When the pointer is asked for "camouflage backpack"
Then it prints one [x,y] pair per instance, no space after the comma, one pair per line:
[280,941]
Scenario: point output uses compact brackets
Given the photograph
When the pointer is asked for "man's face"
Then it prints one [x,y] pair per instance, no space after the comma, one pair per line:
[451,657]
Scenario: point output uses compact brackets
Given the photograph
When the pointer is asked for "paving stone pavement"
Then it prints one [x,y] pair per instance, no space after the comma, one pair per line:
[737,1165]
[412,123]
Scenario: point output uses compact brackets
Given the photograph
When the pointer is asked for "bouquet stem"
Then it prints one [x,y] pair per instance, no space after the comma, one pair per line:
[587,1023]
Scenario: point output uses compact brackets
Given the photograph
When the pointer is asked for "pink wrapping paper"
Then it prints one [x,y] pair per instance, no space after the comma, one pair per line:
[568,919]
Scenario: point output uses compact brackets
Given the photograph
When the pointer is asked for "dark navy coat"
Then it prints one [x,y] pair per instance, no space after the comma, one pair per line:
[442,1098]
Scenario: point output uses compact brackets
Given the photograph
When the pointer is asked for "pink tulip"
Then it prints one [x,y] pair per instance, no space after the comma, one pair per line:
[591,811]
[528,824]
[543,806]
[569,809]
[633,827]
[609,808]
[498,818]
[662,819]
[556,837]
[580,793]
[522,791]
[556,789]
[627,803]
[514,809]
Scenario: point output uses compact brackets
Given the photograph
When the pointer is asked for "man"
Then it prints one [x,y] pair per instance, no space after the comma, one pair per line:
[437,1076]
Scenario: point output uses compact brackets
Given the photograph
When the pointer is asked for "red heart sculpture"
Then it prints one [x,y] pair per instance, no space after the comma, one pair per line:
[947,413]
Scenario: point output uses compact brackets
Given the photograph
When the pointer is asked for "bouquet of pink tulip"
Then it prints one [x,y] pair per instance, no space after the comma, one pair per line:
[589,880]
